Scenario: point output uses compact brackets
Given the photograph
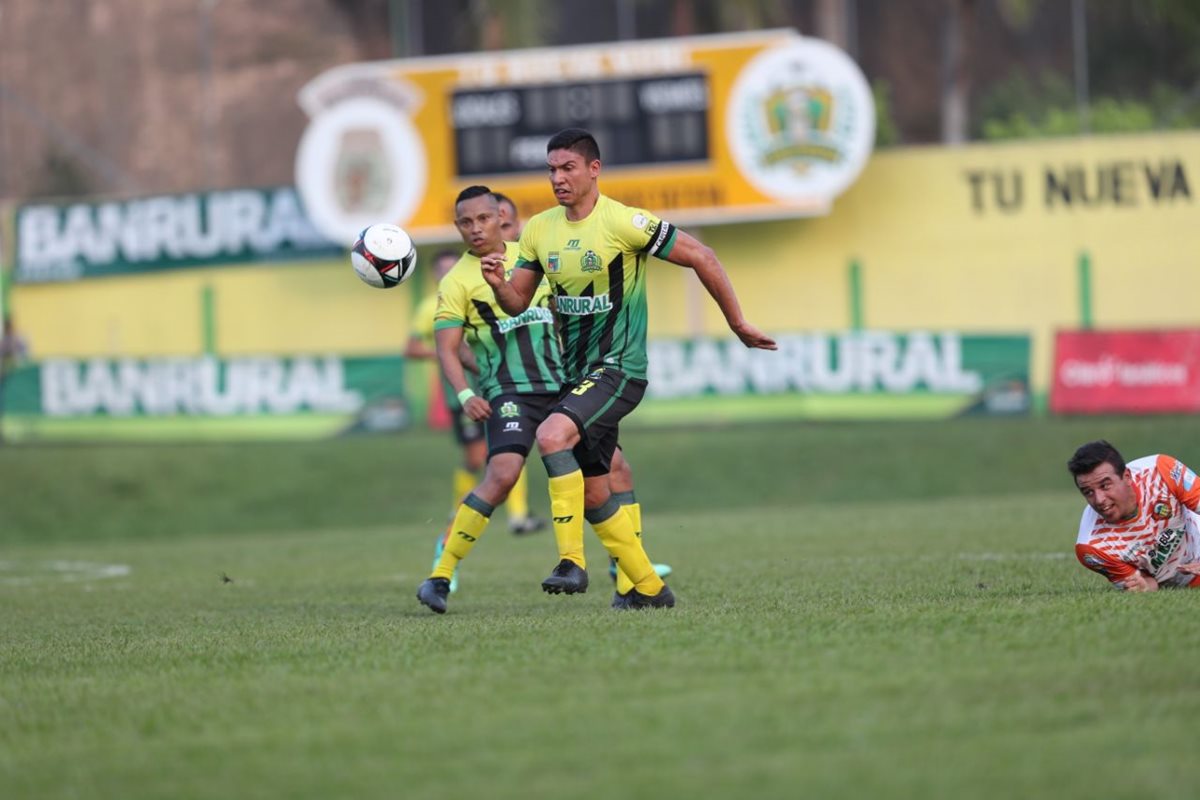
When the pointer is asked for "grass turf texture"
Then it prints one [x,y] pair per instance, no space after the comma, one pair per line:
[865,610]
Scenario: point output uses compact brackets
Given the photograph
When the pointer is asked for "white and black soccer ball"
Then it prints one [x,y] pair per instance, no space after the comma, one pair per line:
[383,256]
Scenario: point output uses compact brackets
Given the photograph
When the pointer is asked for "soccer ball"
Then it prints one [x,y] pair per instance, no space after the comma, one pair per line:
[383,256]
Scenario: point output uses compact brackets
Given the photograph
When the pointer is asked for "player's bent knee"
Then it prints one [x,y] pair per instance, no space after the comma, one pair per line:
[557,433]
[595,492]
[504,469]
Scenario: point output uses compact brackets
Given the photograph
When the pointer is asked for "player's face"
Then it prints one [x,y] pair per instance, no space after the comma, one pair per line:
[510,225]
[571,177]
[478,223]
[1112,496]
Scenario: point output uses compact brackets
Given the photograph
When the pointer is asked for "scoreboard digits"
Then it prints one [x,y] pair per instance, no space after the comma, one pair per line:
[637,122]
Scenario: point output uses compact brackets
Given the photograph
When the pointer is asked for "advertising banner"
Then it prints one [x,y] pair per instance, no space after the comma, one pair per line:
[119,237]
[182,398]
[848,374]
[1126,372]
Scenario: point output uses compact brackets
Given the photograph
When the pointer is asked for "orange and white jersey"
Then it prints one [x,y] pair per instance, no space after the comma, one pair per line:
[1164,534]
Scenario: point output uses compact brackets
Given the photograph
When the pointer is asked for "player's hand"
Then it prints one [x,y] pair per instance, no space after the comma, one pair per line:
[1139,582]
[477,408]
[753,337]
[492,266]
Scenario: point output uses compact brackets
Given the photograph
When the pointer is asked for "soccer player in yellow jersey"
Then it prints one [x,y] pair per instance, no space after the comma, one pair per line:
[469,433]
[593,251]
[621,475]
[520,375]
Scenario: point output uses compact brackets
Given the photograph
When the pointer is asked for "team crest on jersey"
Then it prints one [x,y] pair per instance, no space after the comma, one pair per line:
[510,409]
[1162,510]
[590,262]
[553,264]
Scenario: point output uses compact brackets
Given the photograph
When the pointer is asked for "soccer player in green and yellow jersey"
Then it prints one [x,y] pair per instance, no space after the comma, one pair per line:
[520,375]
[593,251]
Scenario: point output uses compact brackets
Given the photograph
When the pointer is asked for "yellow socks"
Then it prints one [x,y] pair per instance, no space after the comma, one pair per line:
[566,504]
[518,498]
[634,510]
[469,523]
[464,482]
[615,528]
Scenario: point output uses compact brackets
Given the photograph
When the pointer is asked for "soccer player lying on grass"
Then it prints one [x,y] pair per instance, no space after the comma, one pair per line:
[1140,529]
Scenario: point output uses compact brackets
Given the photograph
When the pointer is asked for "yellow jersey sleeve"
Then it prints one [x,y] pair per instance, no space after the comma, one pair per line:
[527,257]
[640,231]
[452,307]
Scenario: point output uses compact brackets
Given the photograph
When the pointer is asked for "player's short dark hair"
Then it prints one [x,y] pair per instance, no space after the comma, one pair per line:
[503,198]
[577,140]
[471,192]
[1092,455]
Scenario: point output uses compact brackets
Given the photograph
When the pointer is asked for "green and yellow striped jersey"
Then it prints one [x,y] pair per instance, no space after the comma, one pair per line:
[516,355]
[597,270]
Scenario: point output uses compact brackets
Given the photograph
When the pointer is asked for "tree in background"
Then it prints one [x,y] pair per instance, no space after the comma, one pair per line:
[1131,46]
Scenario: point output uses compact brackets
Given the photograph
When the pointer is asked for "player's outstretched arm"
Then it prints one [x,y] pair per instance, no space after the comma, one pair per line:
[512,294]
[691,252]
[417,349]
[448,341]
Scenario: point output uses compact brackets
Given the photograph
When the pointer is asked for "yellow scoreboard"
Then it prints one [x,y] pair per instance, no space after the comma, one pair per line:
[703,129]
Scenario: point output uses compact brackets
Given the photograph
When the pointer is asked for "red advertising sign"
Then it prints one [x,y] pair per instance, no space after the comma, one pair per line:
[1126,372]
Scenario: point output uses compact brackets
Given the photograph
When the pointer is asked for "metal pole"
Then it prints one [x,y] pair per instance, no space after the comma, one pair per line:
[209,111]
[1079,45]
[398,24]
[626,21]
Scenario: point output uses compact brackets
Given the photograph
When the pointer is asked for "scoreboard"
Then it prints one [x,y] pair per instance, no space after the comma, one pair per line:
[701,130]
[637,122]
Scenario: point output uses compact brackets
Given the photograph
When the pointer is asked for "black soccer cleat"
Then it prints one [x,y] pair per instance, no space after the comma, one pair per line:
[433,593]
[567,578]
[637,601]
[621,601]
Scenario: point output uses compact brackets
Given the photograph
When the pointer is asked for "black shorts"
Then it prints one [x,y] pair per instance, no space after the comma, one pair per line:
[512,427]
[597,404]
[466,430]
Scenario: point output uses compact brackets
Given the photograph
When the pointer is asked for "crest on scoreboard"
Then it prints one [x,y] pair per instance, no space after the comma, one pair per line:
[801,121]
[361,178]
[361,160]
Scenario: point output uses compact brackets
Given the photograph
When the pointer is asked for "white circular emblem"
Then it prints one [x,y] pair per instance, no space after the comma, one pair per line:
[801,121]
[639,221]
[360,162]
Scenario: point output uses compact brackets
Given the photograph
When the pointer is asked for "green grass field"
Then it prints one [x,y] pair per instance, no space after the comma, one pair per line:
[866,610]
